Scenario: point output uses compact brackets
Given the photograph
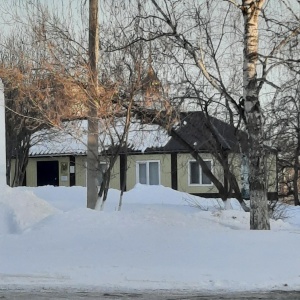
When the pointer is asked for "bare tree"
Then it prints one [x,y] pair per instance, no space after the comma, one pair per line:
[67,69]
[197,44]
[26,91]
[285,134]
[204,38]
[259,216]
[165,111]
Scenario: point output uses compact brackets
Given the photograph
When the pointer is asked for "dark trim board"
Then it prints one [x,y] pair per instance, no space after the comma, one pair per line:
[123,171]
[24,183]
[271,195]
[72,175]
[207,195]
[174,171]
[151,151]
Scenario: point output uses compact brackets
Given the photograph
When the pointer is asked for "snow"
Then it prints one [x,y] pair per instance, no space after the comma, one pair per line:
[71,137]
[161,239]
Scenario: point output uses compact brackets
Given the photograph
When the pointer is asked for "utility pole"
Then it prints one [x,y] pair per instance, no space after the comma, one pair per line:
[2,137]
[93,130]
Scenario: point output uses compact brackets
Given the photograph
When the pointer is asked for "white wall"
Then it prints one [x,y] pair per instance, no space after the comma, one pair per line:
[2,137]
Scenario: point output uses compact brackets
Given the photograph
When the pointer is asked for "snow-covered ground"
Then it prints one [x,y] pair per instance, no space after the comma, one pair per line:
[158,240]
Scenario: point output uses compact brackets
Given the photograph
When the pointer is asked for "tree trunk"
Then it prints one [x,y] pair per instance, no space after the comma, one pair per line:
[92,143]
[259,216]
[124,181]
[296,168]
[295,184]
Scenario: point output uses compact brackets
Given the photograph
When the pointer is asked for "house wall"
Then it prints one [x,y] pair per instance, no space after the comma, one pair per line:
[235,162]
[165,168]
[80,171]
[271,164]
[272,172]
[183,175]
[31,170]
[12,171]
[165,171]
[115,176]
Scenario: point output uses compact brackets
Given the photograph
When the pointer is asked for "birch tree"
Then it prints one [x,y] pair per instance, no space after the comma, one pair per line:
[259,216]
[254,117]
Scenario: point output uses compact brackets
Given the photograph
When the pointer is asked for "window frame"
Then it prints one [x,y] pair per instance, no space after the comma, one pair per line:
[138,162]
[200,173]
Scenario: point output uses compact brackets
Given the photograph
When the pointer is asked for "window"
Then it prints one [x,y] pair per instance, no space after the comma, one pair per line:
[147,172]
[196,175]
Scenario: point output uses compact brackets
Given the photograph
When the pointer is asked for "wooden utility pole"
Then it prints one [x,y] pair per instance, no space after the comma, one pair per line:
[2,137]
[93,131]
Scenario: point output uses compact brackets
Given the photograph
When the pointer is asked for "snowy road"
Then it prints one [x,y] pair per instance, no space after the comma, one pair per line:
[143,295]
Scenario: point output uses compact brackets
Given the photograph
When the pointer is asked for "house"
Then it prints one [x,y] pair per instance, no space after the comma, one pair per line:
[58,156]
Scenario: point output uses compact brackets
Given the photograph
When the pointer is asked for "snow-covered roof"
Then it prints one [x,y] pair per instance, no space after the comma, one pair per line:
[71,138]
[194,128]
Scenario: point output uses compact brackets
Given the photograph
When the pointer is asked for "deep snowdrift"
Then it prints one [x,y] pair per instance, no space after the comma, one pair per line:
[157,240]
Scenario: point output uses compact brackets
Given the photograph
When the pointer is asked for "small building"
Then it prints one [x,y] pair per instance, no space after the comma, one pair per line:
[58,156]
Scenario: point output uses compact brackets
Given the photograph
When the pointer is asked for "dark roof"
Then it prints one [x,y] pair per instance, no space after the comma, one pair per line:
[203,133]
